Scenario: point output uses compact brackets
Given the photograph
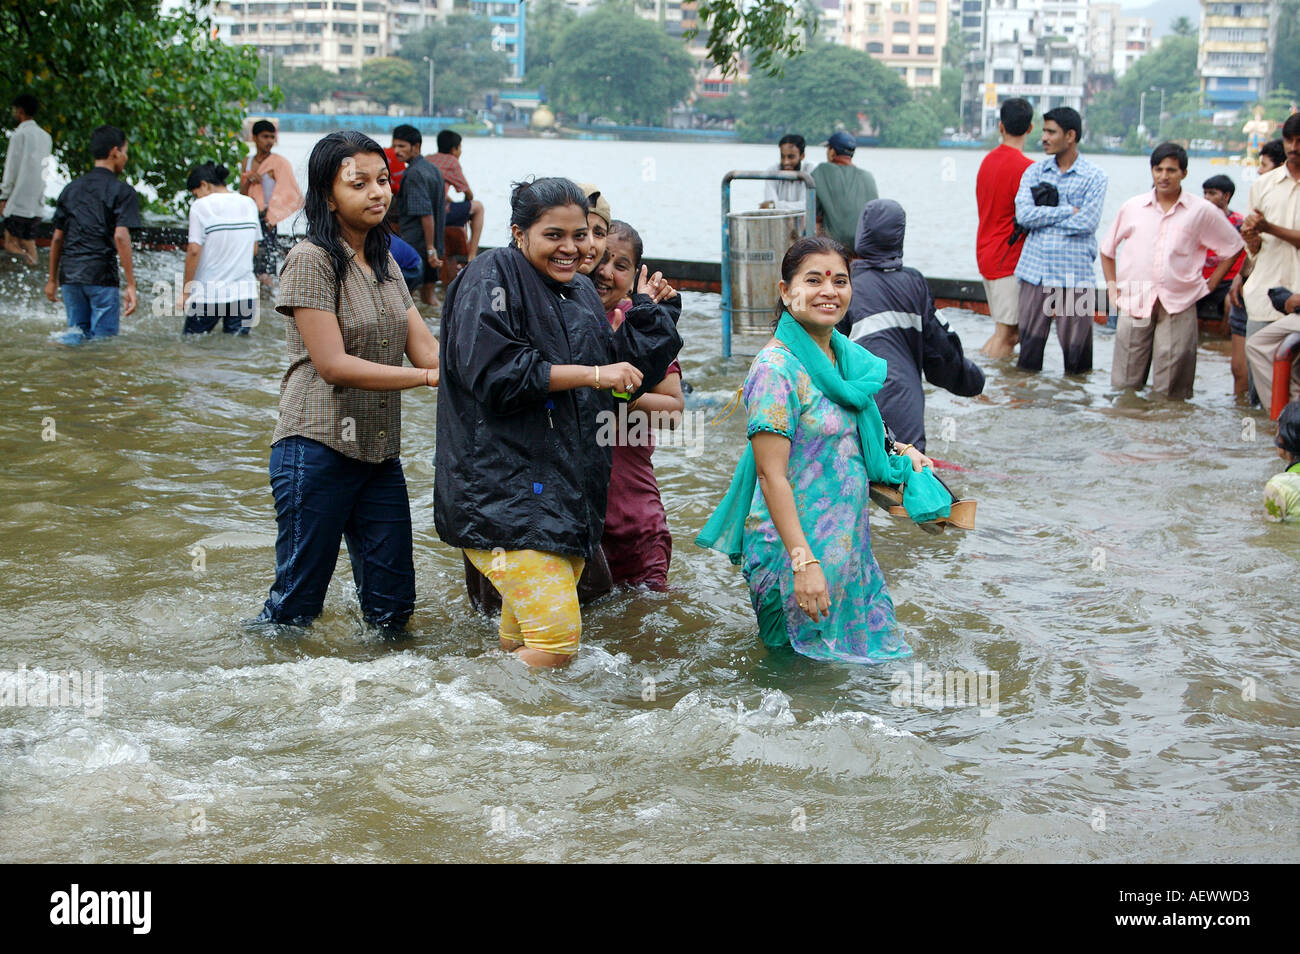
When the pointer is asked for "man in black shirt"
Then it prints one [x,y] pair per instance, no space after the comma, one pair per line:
[421,205]
[91,221]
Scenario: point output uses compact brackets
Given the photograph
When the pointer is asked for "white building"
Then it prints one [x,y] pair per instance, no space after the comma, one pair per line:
[908,36]
[1036,49]
[1234,57]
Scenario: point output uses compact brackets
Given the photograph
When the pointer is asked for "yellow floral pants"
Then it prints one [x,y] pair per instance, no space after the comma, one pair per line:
[539,596]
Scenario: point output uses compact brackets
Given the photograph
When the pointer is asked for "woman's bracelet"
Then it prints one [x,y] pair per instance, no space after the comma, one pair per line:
[803,564]
[427,383]
[597,369]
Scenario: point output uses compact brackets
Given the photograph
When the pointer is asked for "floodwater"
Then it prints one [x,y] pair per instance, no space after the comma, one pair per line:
[1136,610]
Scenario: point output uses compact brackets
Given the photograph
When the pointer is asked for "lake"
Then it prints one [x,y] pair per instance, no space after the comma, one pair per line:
[1137,611]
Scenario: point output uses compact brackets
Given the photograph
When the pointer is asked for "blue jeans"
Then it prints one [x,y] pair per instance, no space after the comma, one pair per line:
[236,316]
[95,309]
[322,496]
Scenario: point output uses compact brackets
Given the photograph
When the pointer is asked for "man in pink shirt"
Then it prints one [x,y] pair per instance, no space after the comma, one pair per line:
[1157,279]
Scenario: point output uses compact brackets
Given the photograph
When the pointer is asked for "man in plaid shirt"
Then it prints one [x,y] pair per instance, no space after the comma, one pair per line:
[1056,268]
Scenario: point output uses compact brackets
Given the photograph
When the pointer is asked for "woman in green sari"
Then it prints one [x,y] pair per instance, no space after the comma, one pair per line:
[795,517]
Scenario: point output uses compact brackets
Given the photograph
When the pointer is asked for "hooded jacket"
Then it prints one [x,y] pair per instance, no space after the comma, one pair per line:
[518,467]
[892,315]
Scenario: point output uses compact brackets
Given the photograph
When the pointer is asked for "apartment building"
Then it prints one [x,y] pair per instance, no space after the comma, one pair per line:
[333,34]
[1037,49]
[1115,41]
[1235,56]
[908,36]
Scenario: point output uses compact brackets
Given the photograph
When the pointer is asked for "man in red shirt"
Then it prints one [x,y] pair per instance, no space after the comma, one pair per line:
[996,253]
[468,210]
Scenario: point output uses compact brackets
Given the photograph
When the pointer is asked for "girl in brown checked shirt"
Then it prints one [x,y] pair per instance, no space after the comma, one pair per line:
[335,471]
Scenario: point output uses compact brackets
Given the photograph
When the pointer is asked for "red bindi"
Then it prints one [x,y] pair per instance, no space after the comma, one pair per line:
[828,273]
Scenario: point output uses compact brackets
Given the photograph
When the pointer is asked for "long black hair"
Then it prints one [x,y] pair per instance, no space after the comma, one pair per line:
[327,158]
[529,200]
[794,256]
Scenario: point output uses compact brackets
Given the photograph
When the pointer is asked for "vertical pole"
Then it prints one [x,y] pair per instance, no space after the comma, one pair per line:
[726,266]
[810,217]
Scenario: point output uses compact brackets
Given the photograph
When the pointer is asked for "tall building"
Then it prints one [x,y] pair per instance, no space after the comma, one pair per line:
[334,34]
[1116,42]
[1234,59]
[509,33]
[1036,49]
[908,36]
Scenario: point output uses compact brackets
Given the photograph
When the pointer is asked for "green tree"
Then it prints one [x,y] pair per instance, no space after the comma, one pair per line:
[914,126]
[1171,66]
[179,95]
[624,68]
[1286,54]
[547,21]
[769,32]
[464,62]
[388,79]
[1182,26]
[819,92]
[305,86]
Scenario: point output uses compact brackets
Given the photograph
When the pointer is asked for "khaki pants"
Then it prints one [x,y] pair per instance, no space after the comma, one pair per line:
[1163,344]
[1260,346]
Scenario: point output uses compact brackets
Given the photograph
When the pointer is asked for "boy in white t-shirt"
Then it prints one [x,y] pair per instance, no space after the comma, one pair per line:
[224,232]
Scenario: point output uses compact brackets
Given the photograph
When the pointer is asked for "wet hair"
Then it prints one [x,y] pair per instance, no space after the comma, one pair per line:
[1275,151]
[621,229]
[327,158]
[27,103]
[207,172]
[792,139]
[1068,119]
[1291,128]
[263,125]
[448,140]
[794,256]
[1220,183]
[408,133]
[529,200]
[1288,429]
[1169,150]
[104,139]
[1017,116]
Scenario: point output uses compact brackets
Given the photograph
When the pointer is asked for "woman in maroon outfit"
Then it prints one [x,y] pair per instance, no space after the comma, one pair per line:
[636,542]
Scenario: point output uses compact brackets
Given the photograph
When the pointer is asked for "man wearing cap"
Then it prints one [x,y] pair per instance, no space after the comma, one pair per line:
[843,190]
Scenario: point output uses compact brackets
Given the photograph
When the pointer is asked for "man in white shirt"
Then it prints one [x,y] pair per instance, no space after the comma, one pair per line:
[22,192]
[781,194]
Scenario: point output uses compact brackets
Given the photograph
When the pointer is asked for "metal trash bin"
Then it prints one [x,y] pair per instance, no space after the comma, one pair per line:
[759,240]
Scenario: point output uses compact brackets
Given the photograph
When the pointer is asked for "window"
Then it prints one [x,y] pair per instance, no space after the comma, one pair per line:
[1060,78]
[902,26]
[1033,77]
[898,7]
[370,51]
[875,48]
[873,27]
[926,29]
[345,49]
[1238,35]
[1237,10]
[925,51]
[1003,76]
[370,28]
[926,6]
[1234,59]
[900,49]
[972,6]
[925,73]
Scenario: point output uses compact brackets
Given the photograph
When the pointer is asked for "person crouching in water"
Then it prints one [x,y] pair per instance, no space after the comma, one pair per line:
[795,516]
[1282,493]
[528,362]
[637,542]
[892,316]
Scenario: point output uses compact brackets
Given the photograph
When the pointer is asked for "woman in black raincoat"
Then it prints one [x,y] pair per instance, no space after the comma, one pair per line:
[529,362]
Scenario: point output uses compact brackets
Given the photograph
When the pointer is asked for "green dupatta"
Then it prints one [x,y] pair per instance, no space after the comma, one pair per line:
[859,375]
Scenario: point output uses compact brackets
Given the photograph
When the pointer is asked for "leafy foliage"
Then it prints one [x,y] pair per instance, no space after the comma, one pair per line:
[770,31]
[621,67]
[179,95]
[464,62]
[825,89]
[388,79]
[914,126]
[1171,66]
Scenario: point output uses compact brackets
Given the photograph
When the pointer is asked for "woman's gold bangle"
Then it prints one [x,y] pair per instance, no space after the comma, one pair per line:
[803,564]
[597,377]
